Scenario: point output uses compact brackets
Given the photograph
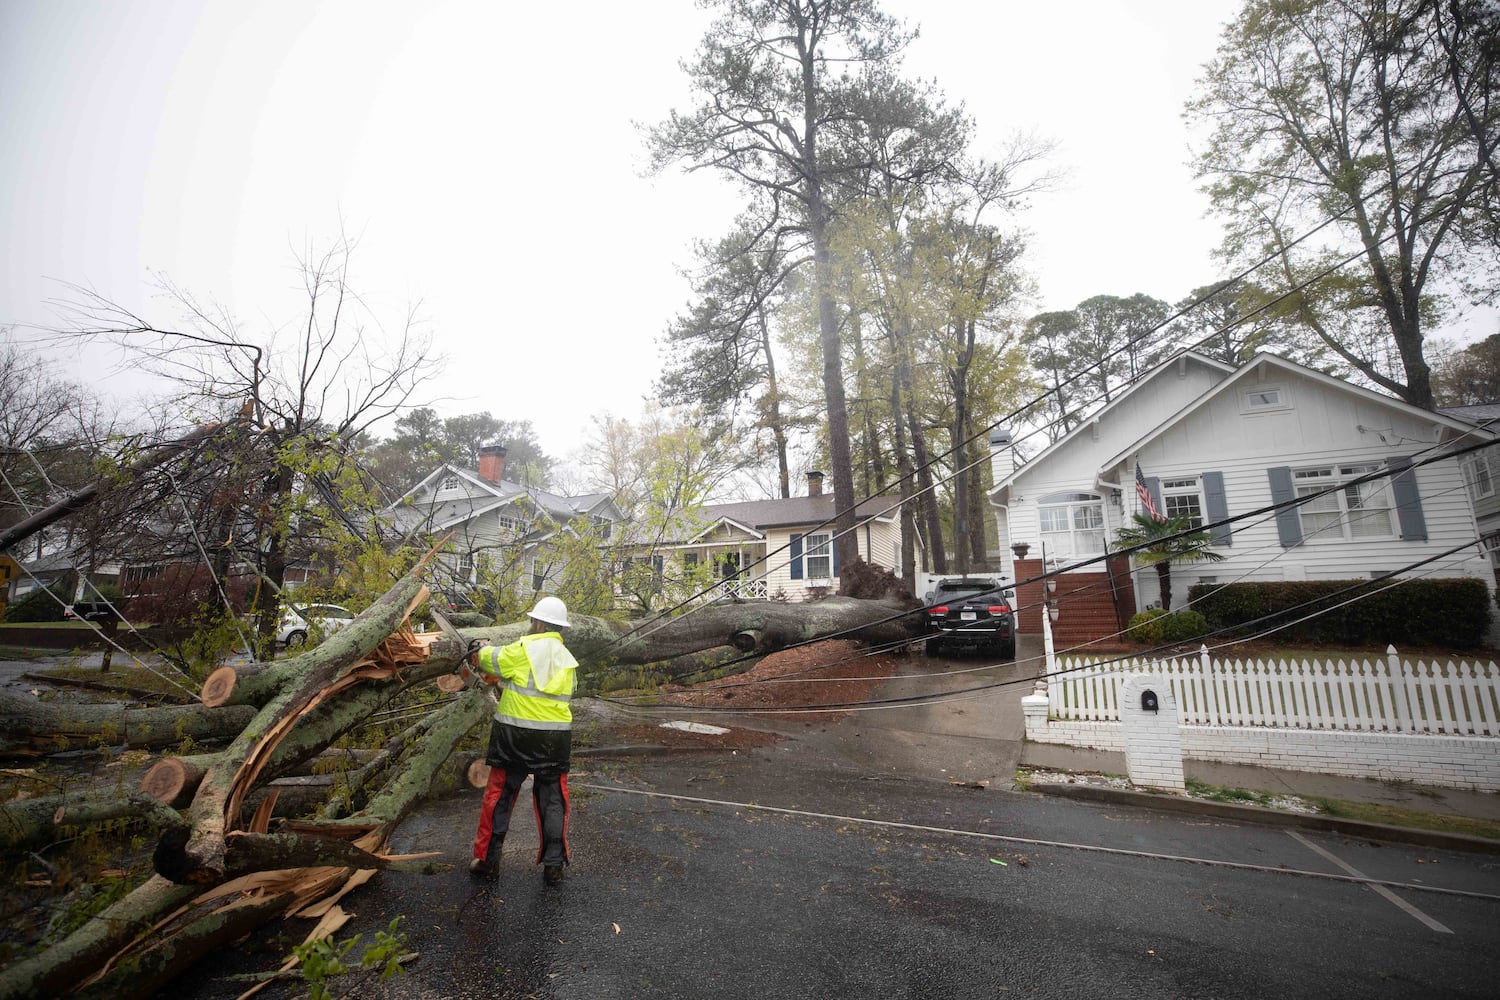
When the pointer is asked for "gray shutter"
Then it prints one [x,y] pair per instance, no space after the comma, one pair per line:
[1288,525]
[1153,487]
[796,557]
[1408,500]
[1217,503]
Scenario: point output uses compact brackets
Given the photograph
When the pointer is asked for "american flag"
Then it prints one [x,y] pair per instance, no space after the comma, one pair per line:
[1144,493]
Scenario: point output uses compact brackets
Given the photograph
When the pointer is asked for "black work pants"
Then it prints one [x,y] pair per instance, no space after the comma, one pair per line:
[514,753]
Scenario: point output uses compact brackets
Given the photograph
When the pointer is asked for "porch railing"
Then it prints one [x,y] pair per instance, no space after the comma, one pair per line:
[744,590]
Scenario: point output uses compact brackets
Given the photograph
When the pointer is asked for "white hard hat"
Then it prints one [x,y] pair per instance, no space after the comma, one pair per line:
[552,611]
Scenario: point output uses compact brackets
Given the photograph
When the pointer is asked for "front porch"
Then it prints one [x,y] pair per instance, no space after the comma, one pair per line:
[735,570]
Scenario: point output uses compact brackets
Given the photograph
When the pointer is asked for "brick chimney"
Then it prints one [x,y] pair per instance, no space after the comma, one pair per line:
[492,462]
[815,484]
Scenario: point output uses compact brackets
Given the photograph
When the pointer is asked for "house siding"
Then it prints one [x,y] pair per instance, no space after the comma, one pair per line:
[1320,427]
[1221,438]
[880,545]
[1073,468]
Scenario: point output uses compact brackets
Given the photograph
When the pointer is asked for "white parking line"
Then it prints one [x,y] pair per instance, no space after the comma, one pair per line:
[1388,894]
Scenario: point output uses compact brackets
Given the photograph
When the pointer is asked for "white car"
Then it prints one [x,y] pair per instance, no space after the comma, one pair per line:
[318,620]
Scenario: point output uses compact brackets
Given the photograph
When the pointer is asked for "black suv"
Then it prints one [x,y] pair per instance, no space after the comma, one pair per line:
[972,613]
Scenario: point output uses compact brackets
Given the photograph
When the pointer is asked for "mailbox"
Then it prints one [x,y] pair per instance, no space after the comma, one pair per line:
[1149,702]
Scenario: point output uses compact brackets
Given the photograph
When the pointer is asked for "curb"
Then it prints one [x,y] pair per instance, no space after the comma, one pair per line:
[1271,817]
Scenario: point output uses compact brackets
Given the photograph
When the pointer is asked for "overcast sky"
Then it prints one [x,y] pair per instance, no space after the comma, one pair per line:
[485,157]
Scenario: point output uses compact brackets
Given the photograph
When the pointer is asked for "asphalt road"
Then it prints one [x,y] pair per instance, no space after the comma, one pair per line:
[864,859]
[716,893]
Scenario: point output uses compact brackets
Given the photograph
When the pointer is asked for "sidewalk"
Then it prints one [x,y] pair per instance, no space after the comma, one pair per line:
[979,740]
[1404,795]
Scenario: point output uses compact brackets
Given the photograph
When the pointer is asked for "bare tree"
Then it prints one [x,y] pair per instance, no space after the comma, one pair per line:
[305,391]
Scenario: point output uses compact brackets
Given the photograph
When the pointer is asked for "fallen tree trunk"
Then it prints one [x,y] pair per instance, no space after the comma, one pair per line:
[704,663]
[607,651]
[47,516]
[216,806]
[30,727]
[150,970]
[174,780]
[297,707]
[60,968]
[30,823]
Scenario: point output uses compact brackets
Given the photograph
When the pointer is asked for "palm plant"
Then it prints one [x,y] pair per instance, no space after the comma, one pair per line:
[1161,549]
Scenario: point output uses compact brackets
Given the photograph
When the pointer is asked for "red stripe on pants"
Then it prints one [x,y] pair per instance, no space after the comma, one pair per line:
[492,792]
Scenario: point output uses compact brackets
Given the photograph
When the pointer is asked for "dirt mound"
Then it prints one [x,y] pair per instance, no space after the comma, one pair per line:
[785,687]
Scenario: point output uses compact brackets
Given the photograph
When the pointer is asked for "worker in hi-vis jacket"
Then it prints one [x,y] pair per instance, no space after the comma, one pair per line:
[532,733]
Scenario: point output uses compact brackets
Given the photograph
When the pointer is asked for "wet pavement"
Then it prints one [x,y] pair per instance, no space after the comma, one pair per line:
[886,855]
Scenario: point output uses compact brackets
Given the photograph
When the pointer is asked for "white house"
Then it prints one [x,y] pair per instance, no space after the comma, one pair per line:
[1213,442]
[491,518]
[761,549]
[1480,474]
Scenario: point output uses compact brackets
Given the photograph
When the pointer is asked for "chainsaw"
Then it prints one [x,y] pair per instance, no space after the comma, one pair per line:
[455,682]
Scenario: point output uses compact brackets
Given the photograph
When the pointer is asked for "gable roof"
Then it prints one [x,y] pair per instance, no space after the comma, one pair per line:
[493,496]
[729,522]
[795,511]
[758,517]
[1180,358]
[1263,361]
[1480,414]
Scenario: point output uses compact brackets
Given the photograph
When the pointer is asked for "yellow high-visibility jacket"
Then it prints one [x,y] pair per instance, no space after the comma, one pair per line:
[537,675]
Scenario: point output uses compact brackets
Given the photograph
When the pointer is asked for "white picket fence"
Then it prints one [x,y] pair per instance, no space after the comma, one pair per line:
[1379,695]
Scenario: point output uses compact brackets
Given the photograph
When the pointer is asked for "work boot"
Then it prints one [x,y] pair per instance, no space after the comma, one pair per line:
[552,874]
[483,868]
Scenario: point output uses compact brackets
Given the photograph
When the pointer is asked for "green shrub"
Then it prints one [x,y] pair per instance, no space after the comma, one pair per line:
[1180,626]
[1146,626]
[1448,612]
[39,605]
[104,592]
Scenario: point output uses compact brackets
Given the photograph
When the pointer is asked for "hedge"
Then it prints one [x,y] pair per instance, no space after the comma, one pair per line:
[1448,612]
[39,605]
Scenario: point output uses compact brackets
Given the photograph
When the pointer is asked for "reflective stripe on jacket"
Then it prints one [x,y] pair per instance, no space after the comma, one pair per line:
[537,675]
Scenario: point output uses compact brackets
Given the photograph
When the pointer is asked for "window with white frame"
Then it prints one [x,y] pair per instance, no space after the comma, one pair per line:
[509,522]
[1264,399]
[1072,524]
[449,483]
[817,552]
[1491,546]
[1350,510]
[1182,498]
[1477,477]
